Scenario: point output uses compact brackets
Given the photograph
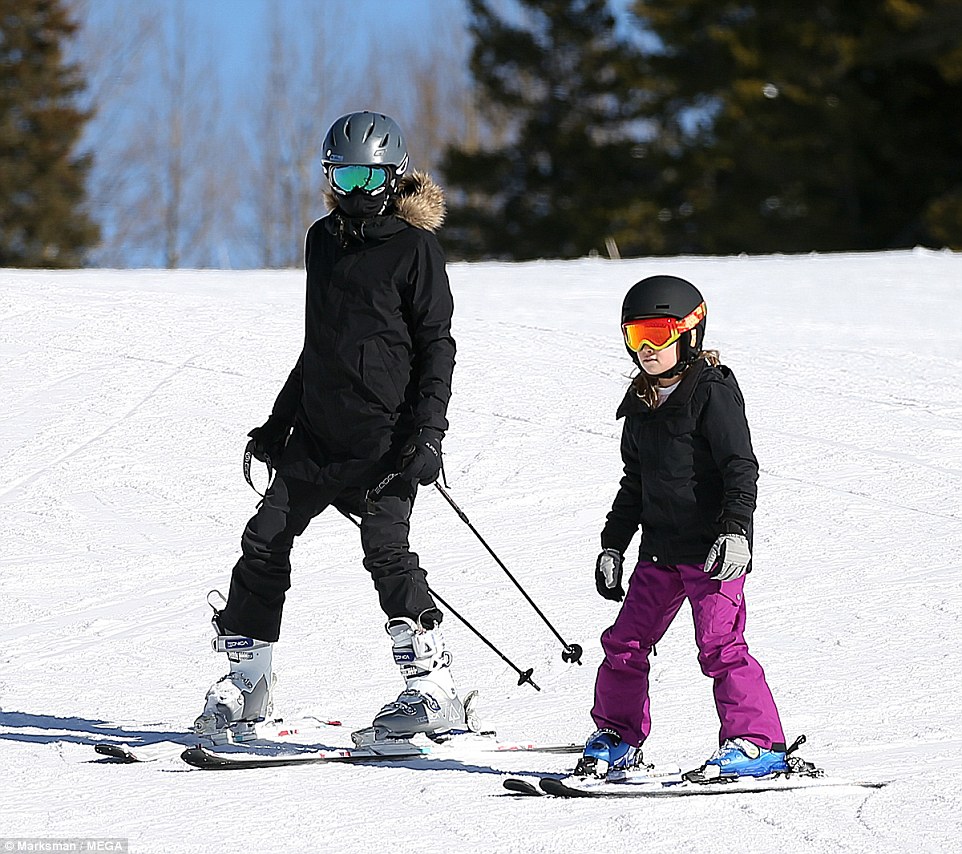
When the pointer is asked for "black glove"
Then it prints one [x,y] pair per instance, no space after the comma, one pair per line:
[421,457]
[608,571]
[269,439]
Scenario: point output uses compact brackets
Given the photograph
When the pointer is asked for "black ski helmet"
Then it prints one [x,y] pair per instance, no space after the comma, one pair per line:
[666,296]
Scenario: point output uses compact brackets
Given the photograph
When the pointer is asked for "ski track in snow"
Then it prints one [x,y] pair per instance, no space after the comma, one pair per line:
[128,395]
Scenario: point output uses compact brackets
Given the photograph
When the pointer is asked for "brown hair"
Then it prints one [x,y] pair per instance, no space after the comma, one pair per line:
[646,387]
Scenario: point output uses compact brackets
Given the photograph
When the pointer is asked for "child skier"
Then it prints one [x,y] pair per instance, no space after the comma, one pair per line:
[367,398]
[689,483]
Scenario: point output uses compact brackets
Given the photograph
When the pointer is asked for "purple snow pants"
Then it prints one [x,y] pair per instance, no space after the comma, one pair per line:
[742,697]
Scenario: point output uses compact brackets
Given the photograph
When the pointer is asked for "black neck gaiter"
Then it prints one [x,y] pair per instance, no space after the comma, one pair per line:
[360,205]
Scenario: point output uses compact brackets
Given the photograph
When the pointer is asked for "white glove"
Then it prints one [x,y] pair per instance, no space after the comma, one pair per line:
[729,557]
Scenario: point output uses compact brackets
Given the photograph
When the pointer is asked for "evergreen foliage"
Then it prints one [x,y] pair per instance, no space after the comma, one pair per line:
[42,221]
[569,169]
[745,127]
[827,126]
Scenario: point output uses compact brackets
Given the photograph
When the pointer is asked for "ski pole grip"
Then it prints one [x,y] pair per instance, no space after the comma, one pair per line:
[373,495]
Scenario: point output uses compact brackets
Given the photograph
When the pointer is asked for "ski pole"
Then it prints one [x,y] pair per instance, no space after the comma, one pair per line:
[572,651]
[524,675]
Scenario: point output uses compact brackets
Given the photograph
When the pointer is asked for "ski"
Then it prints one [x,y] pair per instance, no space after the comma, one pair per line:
[518,786]
[150,752]
[582,788]
[220,759]
[655,775]
[155,751]
[260,755]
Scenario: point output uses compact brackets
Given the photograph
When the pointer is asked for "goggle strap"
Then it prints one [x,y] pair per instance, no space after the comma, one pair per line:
[691,320]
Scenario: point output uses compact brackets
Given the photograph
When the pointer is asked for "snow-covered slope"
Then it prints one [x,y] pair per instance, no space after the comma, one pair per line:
[126,399]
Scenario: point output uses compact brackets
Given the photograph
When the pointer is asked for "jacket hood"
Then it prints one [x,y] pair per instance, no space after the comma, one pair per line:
[419,202]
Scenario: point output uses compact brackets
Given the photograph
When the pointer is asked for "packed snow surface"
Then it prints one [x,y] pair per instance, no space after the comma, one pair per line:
[126,399]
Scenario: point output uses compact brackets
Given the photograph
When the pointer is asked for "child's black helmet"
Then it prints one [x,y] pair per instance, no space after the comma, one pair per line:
[667,296]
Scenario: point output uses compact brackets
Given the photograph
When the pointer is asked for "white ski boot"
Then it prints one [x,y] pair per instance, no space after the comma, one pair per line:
[429,702]
[242,698]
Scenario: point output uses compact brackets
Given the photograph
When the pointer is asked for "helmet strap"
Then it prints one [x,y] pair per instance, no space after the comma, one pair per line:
[679,368]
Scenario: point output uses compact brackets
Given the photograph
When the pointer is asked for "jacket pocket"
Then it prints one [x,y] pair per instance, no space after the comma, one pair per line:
[381,374]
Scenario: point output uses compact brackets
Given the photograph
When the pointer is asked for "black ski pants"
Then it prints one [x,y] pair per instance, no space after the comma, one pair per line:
[262,576]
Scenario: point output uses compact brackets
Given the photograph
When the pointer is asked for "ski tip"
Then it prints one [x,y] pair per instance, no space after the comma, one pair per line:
[521,787]
[551,786]
[871,784]
[117,752]
[199,758]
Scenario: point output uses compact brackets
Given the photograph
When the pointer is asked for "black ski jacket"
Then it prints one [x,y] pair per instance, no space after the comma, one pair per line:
[378,353]
[690,472]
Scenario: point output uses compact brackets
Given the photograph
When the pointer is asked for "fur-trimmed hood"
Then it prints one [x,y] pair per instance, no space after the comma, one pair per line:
[420,202]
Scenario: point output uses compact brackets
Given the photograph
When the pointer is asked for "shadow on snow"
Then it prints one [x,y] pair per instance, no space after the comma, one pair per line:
[78,730]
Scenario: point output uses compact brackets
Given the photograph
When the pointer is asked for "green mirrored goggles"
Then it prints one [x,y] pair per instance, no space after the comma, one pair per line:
[370,179]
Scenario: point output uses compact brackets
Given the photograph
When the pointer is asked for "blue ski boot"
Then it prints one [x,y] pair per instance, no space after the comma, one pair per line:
[607,756]
[739,757]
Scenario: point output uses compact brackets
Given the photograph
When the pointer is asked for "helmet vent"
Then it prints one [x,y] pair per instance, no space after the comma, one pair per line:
[365,138]
[366,131]
[663,305]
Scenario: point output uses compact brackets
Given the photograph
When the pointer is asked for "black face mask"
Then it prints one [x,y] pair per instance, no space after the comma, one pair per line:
[361,205]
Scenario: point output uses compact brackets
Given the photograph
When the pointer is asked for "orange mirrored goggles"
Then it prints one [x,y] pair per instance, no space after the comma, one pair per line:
[660,332]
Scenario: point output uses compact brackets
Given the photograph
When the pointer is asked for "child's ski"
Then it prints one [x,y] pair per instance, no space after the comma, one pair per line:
[579,787]
[522,787]
[662,774]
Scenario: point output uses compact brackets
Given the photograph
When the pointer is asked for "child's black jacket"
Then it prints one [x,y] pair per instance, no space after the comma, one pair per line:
[690,472]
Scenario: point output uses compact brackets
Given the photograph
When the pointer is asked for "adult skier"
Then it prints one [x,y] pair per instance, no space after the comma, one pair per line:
[366,398]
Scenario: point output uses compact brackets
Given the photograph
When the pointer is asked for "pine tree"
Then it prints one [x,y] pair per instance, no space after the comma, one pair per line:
[570,170]
[835,125]
[42,220]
